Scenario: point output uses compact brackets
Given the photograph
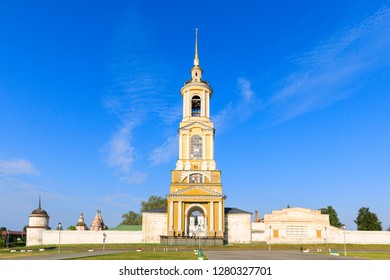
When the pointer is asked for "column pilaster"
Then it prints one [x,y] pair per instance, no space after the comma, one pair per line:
[179,229]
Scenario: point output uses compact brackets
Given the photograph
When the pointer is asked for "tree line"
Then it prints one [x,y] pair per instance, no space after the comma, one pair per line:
[365,220]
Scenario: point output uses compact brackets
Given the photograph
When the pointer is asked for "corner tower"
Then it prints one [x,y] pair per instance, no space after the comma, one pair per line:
[195,201]
[38,223]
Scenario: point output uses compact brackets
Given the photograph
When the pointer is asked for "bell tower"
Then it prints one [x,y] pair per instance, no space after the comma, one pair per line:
[195,201]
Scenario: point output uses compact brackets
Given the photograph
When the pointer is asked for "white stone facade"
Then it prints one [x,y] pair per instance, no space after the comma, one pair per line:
[306,226]
[358,237]
[296,225]
[238,228]
[153,225]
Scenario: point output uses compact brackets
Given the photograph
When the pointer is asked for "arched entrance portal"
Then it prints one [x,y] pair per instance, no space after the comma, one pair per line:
[196,221]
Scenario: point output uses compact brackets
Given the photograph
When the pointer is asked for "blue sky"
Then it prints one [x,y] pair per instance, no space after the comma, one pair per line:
[90,104]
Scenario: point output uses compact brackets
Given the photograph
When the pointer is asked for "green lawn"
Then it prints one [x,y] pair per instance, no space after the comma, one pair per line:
[147,255]
[370,255]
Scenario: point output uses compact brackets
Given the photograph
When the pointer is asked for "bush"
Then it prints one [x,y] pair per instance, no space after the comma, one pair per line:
[17,244]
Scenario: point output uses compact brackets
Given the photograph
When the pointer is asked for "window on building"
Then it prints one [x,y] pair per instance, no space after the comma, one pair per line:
[196,147]
[196,178]
[296,231]
[276,233]
[195,106]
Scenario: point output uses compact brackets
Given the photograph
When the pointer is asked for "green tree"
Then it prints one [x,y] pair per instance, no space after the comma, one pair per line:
[367,220]
[71,228]
[2,241]
[333,218]
[154,202]
[131,218]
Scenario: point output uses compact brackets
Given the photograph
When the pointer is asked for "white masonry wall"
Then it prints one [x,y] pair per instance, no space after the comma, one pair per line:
[359,237]
[153,225]
[331,235]
[89,237]
[258,232]
[238,228]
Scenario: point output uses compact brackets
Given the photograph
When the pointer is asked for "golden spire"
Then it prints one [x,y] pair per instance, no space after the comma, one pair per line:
[196,60]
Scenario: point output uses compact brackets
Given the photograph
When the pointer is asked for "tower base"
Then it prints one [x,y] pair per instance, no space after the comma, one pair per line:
[191,241]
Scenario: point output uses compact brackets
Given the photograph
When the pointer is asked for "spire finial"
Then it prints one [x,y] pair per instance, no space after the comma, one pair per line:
[196,60]
[39,202]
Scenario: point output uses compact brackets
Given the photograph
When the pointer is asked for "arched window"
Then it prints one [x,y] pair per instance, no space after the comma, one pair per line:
[196,147]
[196,178]
[195,106]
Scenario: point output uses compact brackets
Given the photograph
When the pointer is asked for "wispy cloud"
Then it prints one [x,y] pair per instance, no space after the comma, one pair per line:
[122,200]
[121,154]
[240,110]
[17,167]
[135,96]
[335,69]
[171,115]
[165,153]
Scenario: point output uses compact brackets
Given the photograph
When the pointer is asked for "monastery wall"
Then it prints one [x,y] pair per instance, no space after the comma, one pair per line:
[238,228]
[359,237]
[258,232]
[237,234]
[153,225]
[47,237]
[301,225]
[261,233]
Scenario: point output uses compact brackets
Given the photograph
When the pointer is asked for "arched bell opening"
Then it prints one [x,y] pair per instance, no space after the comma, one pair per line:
[195,106]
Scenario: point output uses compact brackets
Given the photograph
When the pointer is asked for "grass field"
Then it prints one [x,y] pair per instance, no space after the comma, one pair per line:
[370,255]
[147,255]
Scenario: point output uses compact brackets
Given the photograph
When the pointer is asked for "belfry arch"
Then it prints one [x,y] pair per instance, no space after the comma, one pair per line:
[196,106]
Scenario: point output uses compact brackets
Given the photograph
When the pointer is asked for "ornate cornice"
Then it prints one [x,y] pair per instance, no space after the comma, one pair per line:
[195,123]
[208,197]
[194,84]
[181,193]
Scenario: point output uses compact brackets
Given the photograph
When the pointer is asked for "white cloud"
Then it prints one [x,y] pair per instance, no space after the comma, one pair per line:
[121,154]
[122,200]
[166,152]
[17,167]
[241,110]
[335,69]
[136,96]
[245,90]
[169,113]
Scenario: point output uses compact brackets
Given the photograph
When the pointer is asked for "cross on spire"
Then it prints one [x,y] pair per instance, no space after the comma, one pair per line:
[196,59]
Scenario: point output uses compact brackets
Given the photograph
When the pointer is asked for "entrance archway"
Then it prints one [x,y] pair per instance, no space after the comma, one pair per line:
[196,221]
